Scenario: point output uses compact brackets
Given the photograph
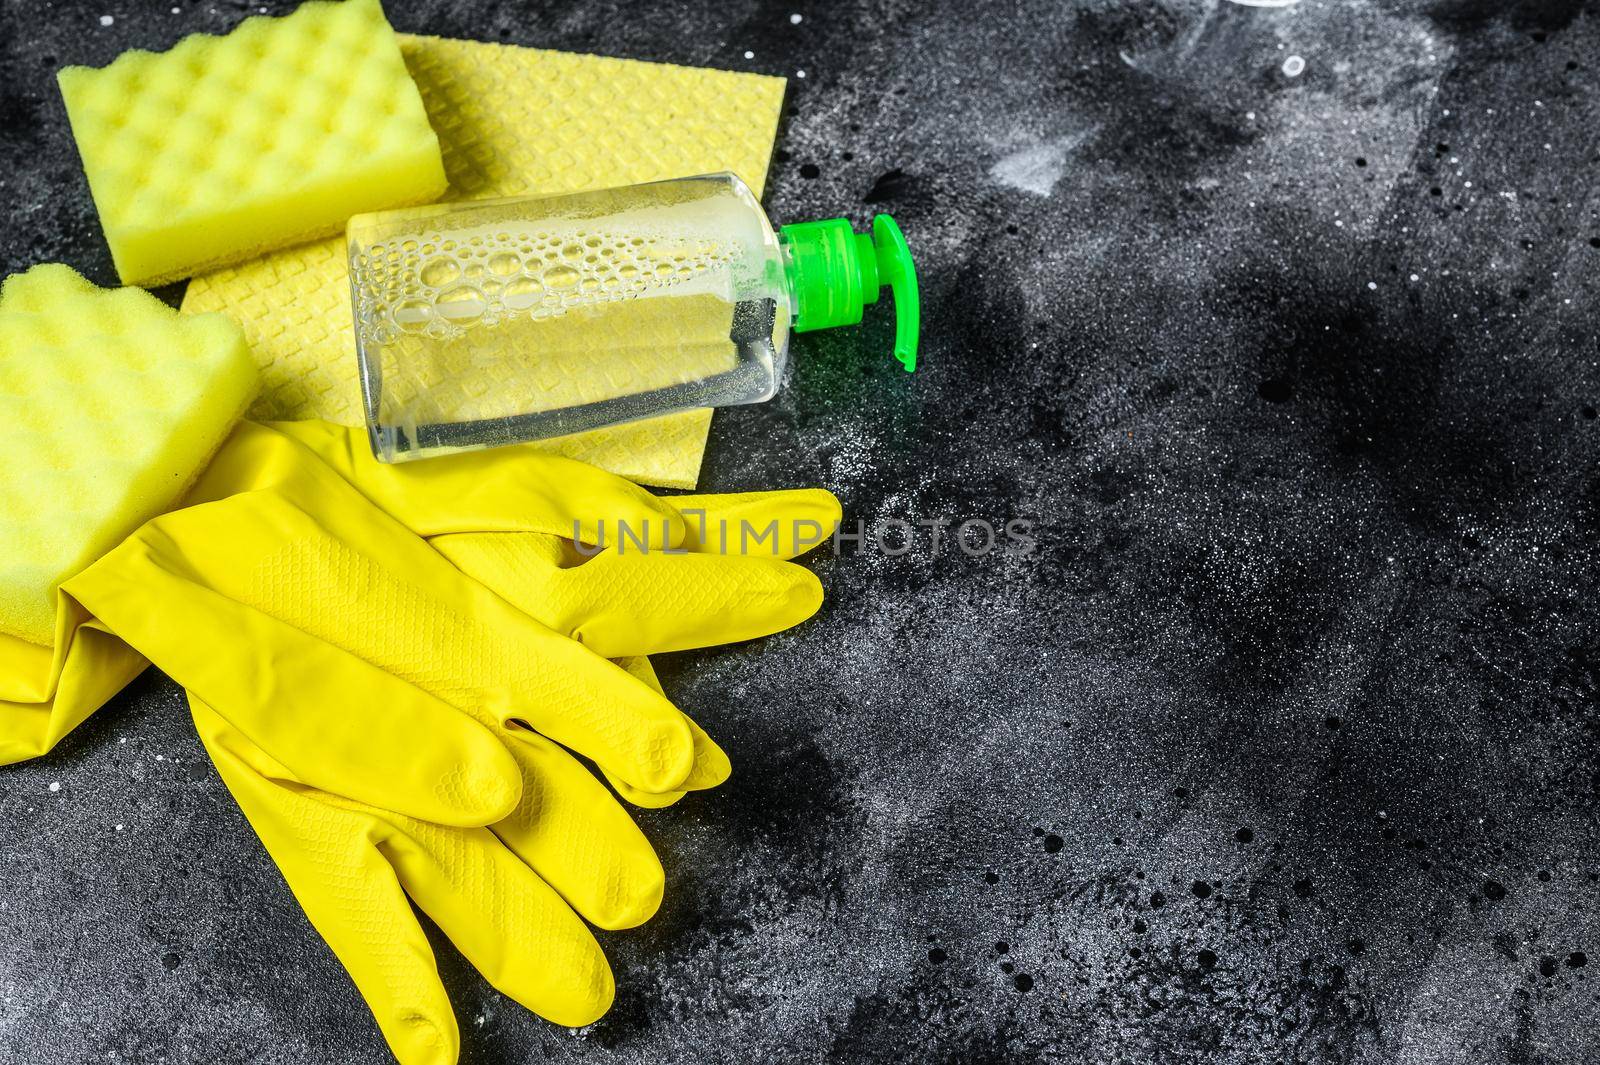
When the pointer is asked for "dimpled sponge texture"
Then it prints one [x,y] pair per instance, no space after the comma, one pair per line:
[112,403]
[513,121]
[226,147]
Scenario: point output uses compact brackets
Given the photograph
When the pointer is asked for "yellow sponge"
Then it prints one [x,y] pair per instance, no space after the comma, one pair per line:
[226,147]
[112,403]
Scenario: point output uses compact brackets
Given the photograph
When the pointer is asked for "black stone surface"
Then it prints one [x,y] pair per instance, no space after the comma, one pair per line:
[1283,746]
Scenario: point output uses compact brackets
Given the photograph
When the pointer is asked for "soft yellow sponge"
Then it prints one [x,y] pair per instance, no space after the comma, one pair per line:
[112,403]
[226,147]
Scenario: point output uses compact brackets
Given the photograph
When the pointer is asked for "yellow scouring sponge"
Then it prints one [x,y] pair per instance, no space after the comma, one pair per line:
[112,403]
[227,147]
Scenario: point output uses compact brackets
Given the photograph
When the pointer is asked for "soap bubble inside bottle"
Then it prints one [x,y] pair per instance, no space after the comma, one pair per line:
[485,323]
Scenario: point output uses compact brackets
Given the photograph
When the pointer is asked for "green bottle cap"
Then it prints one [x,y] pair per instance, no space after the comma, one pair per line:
[834,272]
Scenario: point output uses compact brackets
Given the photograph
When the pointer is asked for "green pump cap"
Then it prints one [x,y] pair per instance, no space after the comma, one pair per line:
[834,272]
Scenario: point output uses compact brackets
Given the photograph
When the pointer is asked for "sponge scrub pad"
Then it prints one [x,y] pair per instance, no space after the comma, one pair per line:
[226,147]
[111,403]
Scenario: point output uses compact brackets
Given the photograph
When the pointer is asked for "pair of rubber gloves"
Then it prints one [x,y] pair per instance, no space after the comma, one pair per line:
[392,668]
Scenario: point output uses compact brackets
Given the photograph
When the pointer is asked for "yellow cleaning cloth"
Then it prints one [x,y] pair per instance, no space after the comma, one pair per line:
[226,147]
[512,121]
[111,404]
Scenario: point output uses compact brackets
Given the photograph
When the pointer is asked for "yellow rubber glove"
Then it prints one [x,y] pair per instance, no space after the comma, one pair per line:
[46,692]
[679,601]
[322,642]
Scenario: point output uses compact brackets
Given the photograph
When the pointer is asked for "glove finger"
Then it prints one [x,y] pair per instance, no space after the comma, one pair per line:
[333,720]
[504,919]
[329,855]
[780,524]
[711,765]
[510,489]
[46,692]
[314,554]
[606,715]
[621,604]
[583,844]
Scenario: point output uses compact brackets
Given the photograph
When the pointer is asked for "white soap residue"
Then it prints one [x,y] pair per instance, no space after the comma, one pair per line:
[1038,167]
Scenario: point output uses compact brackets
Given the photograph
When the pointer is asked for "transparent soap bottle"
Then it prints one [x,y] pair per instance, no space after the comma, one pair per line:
[493,322]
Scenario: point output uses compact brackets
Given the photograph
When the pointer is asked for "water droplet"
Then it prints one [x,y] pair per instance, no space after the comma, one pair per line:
[628,271]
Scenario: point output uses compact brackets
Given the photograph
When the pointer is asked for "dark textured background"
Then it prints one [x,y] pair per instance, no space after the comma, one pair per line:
[1284,745]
